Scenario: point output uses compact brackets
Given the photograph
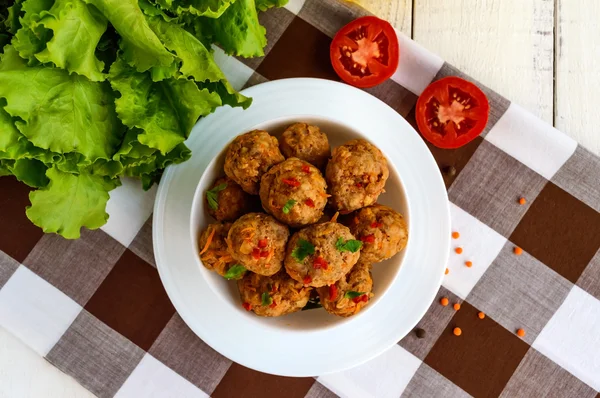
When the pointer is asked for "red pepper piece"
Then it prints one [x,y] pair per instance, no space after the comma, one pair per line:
[264,254]
[262,243]
[247,306]
[320,263]
[376,224]
[292,182]
[256,253]
[333,292]
[307,280]
[359,185]
[306,168]
[309,202]
[363,298]
[368,238]
[273,304]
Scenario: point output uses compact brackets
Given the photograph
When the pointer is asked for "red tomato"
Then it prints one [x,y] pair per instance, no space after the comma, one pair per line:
[333,292]
[262,243]
[365,52]
[368,238]
[292,182]
[320,263]
[451,112]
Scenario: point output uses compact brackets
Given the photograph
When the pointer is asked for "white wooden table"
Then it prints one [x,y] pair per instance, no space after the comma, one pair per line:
[542,54]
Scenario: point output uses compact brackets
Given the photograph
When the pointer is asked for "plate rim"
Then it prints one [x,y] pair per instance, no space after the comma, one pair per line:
[160,204]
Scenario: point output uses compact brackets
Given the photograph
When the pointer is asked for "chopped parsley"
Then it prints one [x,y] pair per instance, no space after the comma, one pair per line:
[303,250]
[351,245]
[288,206]
[352,294]
[266,299]
[213,194]
[235,272]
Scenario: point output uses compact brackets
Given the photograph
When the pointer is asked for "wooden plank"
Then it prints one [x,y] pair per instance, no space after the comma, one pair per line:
[508,45]
[577,66]
[398,12]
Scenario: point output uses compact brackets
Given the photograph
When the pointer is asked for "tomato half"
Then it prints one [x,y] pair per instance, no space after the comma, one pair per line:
[365,52]
[451,112]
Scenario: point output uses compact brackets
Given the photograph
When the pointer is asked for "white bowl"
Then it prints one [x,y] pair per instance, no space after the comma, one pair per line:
[313,342]
[383,273]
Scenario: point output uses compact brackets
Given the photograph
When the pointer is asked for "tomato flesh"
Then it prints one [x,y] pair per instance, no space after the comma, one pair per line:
[451,112]
[365,52]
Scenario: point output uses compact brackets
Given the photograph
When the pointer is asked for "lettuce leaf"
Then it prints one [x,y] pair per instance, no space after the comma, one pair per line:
[197,62]
[264,5]
[61,112]
[239,32]
[12,20]
[77,29]
[166,111]
[201,8]
[30,171]
[131,148]
[70,202]
[31,38]
[141,48]
[10,145]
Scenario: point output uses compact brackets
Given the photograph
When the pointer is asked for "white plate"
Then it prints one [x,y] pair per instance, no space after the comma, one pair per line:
[309,343]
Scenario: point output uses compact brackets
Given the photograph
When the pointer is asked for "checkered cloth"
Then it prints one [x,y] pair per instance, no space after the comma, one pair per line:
[96,309]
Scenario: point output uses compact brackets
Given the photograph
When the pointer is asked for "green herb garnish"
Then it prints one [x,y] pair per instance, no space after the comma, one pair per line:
[266,299]
[288,206]
[351,245]
[213,194]
[352,294]
[303,250]
[235,272]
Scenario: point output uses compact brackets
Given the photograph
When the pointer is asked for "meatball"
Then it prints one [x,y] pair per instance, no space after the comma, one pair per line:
[249,156]
[321,254]
[356,174]
[227,201]
[306,142]
[294,192]
[350,294]
[382,230]
[257,241]
[214,255]
[272,295]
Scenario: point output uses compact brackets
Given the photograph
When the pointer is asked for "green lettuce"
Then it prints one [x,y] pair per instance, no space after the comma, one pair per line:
[200,8]
[264,5]
[239,32]
[77,29]
[30,171]
[141,48]
[70,202]
[166,111]
[61,112]
[95,90]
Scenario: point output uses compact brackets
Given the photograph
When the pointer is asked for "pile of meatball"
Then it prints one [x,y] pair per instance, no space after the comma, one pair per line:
[295,249]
